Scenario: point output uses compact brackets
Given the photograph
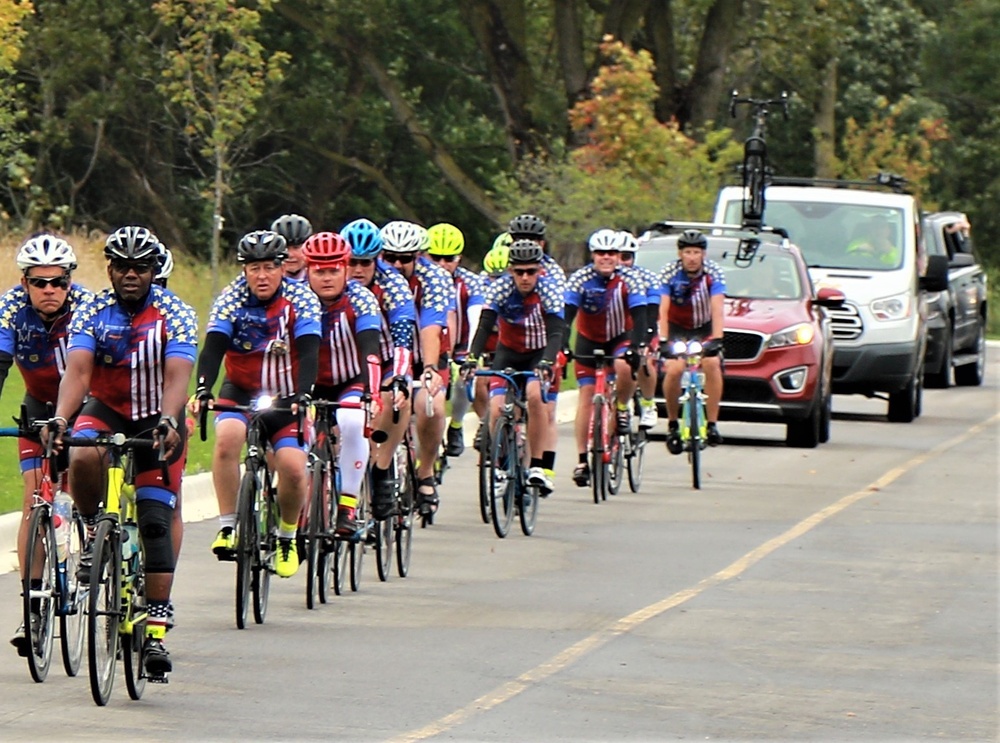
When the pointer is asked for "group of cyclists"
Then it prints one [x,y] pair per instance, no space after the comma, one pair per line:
[385,317]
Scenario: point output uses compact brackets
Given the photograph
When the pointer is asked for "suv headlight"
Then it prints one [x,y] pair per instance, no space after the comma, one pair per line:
[897,307]
[797,335]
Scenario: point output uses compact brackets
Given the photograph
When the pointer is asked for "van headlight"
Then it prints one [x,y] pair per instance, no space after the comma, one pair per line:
[797,335]
[897,307]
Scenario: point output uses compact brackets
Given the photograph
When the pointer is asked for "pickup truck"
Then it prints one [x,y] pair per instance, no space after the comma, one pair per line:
[956,319]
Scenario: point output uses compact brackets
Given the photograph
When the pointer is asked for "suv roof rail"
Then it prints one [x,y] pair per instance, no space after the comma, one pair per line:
[730,230]
[891,181]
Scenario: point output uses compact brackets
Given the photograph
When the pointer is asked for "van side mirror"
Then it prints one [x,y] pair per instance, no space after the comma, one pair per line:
[963,260]
[935,279]
[829,297]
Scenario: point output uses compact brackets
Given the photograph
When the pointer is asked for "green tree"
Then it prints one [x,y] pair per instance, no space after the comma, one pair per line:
[12,32]
[215,72]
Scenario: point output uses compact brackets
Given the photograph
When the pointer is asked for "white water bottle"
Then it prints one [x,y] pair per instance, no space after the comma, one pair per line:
[62,520]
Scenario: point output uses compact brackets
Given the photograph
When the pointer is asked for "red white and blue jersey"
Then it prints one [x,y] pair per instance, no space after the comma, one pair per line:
[433,296]
[353,312]
[691,298]
[604,303]
[648,280]
[521,319]
[399,316]
[468,294]
[38,348]
[553,270]
[261,358]
[131,349]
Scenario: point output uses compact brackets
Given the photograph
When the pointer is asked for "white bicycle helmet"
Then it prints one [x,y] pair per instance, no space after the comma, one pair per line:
[605,240]
[628,242]
[167,264]
[46,250]
[404,237]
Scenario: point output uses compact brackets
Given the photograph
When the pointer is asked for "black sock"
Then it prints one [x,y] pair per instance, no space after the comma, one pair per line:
[548,460]
[583,458]
[536,462]
[673,426]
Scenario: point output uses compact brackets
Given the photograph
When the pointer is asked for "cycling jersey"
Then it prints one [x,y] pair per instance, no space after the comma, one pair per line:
[433,296]
[469,290]
[261,356]
[36,346]
[353,312]
[691,298]
[130,348]
[604,303]
[521,319]
[552,269]
[399,317]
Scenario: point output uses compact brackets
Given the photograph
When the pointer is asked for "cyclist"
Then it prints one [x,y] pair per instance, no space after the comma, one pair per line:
[267,329]
[494,266]
[532,227]
[434,297]
[397,336]
[295,229]
[34,316]
[130,353]
[647,378]
[527,306]
[446,245]
[693,292]
[349,367]
[603,297]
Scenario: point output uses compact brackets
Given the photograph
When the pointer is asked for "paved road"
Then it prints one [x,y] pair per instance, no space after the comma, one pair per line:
[848,592]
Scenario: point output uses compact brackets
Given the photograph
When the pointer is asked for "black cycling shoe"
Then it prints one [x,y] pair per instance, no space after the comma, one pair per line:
[157,659]
[383,499]
[581,475]
[674,443]
[712,435]
[456,442]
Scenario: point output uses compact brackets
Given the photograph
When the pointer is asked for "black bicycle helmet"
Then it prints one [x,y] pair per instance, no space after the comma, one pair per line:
[525,251]
[527,227]
[692,239]
[293,227]
[261,245]
[133,243]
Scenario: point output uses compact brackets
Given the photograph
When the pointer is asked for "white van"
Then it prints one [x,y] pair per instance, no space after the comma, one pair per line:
[864,243]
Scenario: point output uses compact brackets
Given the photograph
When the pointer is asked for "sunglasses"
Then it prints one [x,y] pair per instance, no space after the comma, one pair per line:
[140,267]
[604,252]
[403,258]
[444,258]
[363,262]
[59,282]
[524,271]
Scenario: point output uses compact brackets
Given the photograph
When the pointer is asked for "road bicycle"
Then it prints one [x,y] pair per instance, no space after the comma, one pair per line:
[506,465]
[50,588]
[256,509]
[694,420]
[754,169]
[403,474]
[605,444]
[116,605]
[633,445]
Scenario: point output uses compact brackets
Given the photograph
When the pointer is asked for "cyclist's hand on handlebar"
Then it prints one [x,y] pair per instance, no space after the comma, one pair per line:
[301,403]
[54,429]
[468,368]
[544,371]
[633,358]
[202,398]
[166,433]
[400,388]
[712,347]
[431,381]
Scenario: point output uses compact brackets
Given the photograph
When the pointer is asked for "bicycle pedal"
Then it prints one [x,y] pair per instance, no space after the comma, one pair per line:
[226,556]
[157,678]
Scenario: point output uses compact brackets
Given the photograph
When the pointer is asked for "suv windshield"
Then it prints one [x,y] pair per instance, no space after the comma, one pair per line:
[853,236]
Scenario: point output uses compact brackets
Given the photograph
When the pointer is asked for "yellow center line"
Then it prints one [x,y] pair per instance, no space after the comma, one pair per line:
[506,692]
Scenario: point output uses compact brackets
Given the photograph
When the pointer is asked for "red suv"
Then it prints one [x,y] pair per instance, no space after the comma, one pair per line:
[778,342]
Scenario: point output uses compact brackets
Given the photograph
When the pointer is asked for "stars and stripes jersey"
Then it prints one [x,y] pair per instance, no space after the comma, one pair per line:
[399,315]
[520,318]
[552,269]
[469,291]
[261,357]
[434,296]
[131,349]
[604,303]
[353,312]
[648,280]
[691,298]
[38,348]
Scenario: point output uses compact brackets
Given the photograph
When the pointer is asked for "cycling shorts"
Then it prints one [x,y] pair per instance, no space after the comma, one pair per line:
[280,427]
[584,355]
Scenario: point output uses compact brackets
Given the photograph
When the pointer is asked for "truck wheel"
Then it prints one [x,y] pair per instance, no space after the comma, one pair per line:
[941,379]
[904,405]
[971,375]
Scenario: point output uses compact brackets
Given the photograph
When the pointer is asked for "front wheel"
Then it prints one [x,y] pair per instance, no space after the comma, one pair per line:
[71,621]
[636,460]
[484,474]
[403,521]
[503,476]
[385,532]
[40,602]
[246,545]
[598,472]
[694,443]
[133,635]
[316,530]
[266,550]
[103,611]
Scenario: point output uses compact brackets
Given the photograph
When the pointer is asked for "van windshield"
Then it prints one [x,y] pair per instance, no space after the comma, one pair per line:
[851,236]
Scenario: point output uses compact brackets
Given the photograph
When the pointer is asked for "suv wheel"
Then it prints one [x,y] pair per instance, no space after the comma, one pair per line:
[971,375]
[825,418]
[805,434]
[904,405]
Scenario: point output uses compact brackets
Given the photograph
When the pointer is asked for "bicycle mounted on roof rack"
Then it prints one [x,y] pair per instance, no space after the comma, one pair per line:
[755,171]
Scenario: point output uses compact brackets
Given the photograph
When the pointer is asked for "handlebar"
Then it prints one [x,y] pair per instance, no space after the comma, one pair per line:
[761,106]
[121,441]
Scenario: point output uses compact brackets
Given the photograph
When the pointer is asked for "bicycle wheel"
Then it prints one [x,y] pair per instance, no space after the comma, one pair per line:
[327,555]
[315,530]
[503,476]
[133,629]
[74,601]
[616,464]
[246,545]
[636,460]
[104,610]
[359,545]
[694,450]
[596,454]
[341,564]
[753,178]
[41,560]
[264,555]
[484,474]
[385,533]
[406,495]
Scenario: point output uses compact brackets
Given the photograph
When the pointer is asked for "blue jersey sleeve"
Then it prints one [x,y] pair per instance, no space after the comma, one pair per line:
[307,308]
[365,305]
[10,304]
[182,325]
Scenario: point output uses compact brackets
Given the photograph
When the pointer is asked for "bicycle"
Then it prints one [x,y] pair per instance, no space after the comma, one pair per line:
[605,452]
[634,446]
[754,169]
[403,473]
[508,475]
[116,606]
[54,565]
[256,510]
[694,421]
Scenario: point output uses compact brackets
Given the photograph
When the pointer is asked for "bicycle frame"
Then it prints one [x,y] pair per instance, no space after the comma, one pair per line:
[692,401]
[755,170]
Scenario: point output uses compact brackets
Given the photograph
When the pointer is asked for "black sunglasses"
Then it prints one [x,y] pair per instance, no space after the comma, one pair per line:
[524,271]
[364,262]
[140,267]
[403,258]
[604,252]
[59,282]
[444,258]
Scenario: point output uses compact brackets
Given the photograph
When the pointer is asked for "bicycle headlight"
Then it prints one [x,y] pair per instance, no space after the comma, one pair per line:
[263,402]
[797,335]
[694,348]
[897,307]
[678,348]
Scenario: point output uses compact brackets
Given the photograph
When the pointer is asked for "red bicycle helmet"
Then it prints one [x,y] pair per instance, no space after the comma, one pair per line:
[326,247]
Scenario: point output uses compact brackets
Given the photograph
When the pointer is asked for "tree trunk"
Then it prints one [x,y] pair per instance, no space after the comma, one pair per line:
[660,27]
[217,218]
[373,174]
[707,87]
[824,122]
[622,18]
[569,47]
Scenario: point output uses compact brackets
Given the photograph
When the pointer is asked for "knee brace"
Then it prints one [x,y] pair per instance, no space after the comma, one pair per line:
[155,519]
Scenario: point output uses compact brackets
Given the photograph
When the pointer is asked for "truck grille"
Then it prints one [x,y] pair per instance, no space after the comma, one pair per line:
[740,346]
[846,323]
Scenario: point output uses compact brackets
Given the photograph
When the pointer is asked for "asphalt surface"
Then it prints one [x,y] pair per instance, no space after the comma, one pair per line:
[844,593]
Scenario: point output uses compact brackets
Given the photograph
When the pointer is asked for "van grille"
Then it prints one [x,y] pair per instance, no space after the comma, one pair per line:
[846,323]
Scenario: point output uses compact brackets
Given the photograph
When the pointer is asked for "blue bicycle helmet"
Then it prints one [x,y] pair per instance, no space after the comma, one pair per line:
[363,237]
